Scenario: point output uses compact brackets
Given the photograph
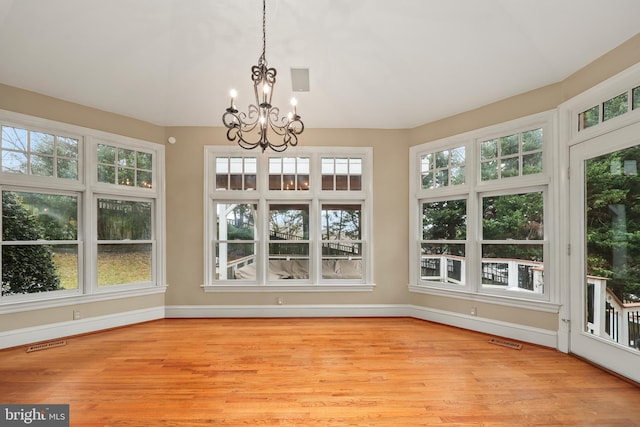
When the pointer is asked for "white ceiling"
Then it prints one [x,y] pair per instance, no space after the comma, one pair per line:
[373,63]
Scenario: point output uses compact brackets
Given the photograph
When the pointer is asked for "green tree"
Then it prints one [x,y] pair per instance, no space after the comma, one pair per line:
[25,268]
[613,220]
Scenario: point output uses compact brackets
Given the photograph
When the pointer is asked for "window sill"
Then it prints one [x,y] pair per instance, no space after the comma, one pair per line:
[61,301]
[543,306]
[325,287]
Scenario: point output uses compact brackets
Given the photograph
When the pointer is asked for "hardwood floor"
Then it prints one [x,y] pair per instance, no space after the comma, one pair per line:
[312,372]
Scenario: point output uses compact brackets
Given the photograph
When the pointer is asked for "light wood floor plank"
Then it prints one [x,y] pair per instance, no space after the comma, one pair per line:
[312,372]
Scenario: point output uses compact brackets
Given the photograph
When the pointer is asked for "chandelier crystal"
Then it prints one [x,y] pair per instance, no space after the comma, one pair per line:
[262,121]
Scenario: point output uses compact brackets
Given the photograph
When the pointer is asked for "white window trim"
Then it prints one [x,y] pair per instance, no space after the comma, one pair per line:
[472,190]
[315,196]
[87,188]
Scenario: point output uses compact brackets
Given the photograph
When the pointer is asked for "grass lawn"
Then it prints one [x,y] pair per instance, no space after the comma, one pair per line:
[113,268]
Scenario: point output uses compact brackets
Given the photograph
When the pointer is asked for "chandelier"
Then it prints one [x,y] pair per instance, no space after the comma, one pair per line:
[263,121]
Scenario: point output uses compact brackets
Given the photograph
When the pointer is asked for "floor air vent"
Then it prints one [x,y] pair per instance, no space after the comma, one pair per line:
[46,345]
[504,343]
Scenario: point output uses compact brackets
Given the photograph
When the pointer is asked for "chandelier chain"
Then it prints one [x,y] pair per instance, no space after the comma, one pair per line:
[263,58]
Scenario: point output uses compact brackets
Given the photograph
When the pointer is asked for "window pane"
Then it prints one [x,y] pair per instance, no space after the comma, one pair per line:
[14,138]
[41,165]
[509,145]
[333,268]
[532,140]
[446,220]
[145,161]
[124,264]
[236,261]
[37,216]
[442,159]
[107,174]
[124,219]
[443,263]
[510,167]
[457,156]
[236,221]
[489,149]
[341,222]
[106,154]
[457,176]
[28,269]
[288,269]
[532,163]
[288,222]
[426,163]
[126,157]
[589,118]
[616,106]
[513,217]
[42,143]
[126,176]
[489,170]
[612,222]
[636,98]
[14,162]
[513,267]
[67,168]
[67,147]
[144,179]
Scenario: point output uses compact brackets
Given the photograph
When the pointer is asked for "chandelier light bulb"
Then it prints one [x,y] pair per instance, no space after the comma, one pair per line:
[265,88]
[233,93]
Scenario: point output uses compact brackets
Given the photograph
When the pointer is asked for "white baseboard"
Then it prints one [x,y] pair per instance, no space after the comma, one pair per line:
[234,311]
[31,335]
[488,326]
[514,331]
[52,331]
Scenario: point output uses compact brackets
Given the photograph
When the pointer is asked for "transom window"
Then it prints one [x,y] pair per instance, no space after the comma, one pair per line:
[235,173]
[305,226]
[443,168]
[341,173]
[39,153]
[512,155]
[124,166]
[610,108]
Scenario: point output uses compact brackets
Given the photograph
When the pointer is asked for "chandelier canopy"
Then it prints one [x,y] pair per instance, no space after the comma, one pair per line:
[262,121]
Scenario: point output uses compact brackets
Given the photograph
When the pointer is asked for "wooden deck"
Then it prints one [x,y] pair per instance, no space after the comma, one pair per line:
[312,372]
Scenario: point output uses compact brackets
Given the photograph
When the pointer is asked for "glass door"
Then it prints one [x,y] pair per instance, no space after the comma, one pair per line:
[605,250]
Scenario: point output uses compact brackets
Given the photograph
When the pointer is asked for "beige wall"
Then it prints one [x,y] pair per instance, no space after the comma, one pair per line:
[185,218]
[184,167]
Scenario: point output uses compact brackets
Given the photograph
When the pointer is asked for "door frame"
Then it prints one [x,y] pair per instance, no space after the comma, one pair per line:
[613,356]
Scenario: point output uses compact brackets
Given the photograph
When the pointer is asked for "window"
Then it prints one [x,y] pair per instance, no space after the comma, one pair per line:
[125,242]
[442,168]
[32,152]
[442,244]
[303,226]
[617,106]
[39,242]
[479,220]
[123,166]
[512,155]
[73,228]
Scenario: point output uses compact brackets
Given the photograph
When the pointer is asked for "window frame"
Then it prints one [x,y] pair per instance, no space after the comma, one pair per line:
[474,189]
[263,197]
[88,189]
